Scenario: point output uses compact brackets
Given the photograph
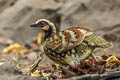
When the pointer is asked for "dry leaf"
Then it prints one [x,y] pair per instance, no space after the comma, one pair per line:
[13,47]
[24,51]
[57,66]
[36,74]
[112,59]
[16,48]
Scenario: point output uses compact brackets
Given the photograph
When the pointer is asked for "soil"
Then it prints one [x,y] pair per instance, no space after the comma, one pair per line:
[100,16]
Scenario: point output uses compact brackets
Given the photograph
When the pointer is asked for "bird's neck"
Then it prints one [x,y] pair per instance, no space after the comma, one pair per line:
[49,33]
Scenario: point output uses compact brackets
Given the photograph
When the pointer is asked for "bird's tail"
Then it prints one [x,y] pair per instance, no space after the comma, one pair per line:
[98,41]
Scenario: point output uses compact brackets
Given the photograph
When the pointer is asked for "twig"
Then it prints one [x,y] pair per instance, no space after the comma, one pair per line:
[110,75]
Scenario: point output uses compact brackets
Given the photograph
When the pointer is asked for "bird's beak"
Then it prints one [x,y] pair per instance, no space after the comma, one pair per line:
[33,25]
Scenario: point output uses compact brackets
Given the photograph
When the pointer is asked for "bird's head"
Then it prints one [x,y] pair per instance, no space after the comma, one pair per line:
[46,26]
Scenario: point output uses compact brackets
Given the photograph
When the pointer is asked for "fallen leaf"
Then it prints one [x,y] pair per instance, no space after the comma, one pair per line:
[16,48]
[112,59]
[36,74]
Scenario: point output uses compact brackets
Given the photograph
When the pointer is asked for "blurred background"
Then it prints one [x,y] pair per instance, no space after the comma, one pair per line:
[100,16]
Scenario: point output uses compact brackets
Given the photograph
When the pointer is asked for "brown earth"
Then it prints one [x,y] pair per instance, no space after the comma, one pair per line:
[100,16]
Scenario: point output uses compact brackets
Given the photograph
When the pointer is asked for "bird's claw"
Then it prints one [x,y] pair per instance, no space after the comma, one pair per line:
[28,70]
[31,68]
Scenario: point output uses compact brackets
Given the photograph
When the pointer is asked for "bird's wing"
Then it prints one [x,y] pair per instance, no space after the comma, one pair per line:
[67,39]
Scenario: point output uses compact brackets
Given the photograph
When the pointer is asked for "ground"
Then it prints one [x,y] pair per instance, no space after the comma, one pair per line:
[100,16]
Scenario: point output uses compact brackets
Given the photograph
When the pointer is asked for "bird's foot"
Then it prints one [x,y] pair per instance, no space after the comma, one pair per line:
[76,66]
[93,61]
[28,70]
[31,68]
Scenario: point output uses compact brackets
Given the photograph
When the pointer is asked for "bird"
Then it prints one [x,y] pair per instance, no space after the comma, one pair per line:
[70,46]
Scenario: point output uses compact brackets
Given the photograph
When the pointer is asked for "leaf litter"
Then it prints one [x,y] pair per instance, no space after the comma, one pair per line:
[103,64]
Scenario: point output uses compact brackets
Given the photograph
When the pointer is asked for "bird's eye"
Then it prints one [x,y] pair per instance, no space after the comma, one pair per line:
[42,23]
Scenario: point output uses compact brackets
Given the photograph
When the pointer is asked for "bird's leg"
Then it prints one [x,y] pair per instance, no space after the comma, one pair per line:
[75,63]
[92,59]
[31,68]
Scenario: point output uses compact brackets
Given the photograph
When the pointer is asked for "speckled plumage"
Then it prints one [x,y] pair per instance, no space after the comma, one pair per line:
[70,46]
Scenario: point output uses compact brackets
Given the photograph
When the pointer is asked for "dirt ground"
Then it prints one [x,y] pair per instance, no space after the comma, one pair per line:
[100,16]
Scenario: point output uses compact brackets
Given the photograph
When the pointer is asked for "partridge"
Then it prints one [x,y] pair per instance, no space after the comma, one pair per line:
[70,46]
